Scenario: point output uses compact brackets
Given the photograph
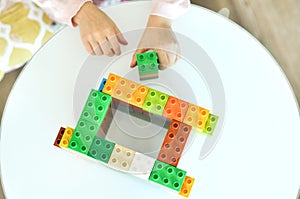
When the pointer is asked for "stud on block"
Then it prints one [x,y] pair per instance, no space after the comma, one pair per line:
[141,165]
[210,124]
[155,102]
[174,143]
[110,84]
[121,158]
[196,116]
[175,109]
[102,84]
[187,186]
[167,175]
[66,137]
[101,149]
[147,65]
[59,136]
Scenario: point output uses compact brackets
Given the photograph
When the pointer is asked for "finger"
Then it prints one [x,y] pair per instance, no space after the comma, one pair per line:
[106,48]
[120,37]
[163,60]
[134,60]
[88,47]
[115,45]
[177,58]
[96,48]
[171,58]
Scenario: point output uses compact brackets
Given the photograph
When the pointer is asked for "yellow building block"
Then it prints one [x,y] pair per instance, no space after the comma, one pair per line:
[124,90]
[139,96]
[66,137]
[187,186]
[110,84]
[196,116]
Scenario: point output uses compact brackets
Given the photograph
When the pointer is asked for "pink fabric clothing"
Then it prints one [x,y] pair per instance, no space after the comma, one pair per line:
[63,10]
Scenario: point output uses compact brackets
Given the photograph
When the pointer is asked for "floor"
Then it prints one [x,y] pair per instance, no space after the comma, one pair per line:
[275,23]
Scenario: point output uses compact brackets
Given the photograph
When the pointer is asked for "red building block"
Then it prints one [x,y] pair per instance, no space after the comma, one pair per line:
[59,136]
[175,109]
[174,143]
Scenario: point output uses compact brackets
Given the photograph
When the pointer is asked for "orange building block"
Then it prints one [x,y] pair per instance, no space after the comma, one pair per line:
[110,84]
[139,96]
[66,137]
[174,143]
[124,90]
[187,186]
[196,116]
[175,109]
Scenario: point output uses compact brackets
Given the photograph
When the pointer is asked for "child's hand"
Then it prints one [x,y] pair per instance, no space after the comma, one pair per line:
[99,33]
[160,37]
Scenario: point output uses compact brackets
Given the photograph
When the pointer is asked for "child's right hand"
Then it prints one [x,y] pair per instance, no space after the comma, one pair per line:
[99,33]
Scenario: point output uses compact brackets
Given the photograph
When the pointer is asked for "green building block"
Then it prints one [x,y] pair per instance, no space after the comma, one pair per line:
[83,136]
[210,124]
[155,102]
[90,121]
[147,65]
[167,175]
[101,149]
[96,107]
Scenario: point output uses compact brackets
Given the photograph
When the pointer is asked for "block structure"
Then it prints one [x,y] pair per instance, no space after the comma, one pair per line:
[187,186]
[155,102]
[101,149]
[210,124]
[66,137]
[175,109]
[121,158]
[139,96]
[90,121]
[196,116]
[174,143]
[167,175]
[147,65]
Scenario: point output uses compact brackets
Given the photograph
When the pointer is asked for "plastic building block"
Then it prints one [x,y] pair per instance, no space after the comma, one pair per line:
[141,165]
[59,136]
[121,158]
[174,143]
[139,96]
[175,109]
[102,84]
[90,121]
[210,124]
[124,90]
[147,65]
[66,137]
[187,186]
[196,116]
[167,175]
[110,84]
[101,149]
[155,101]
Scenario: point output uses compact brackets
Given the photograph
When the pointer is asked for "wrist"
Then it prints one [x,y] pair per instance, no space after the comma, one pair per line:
[155,21]
[83,12]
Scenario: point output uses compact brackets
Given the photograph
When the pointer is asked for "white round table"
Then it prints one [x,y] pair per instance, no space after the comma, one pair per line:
[257,155]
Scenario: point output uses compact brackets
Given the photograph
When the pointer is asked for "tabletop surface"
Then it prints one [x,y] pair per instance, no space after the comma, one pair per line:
[256,156]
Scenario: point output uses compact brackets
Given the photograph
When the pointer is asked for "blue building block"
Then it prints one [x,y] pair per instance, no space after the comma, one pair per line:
[102,84]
